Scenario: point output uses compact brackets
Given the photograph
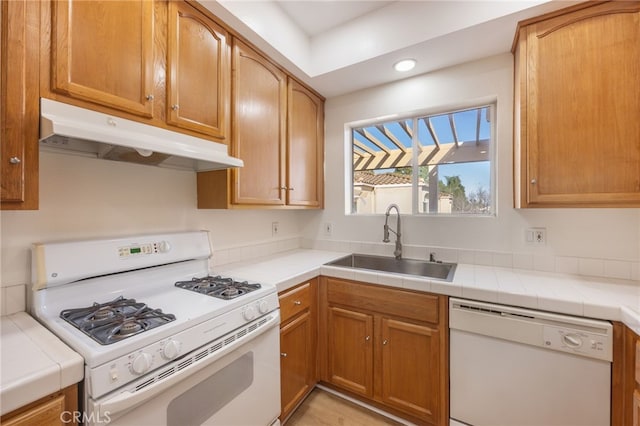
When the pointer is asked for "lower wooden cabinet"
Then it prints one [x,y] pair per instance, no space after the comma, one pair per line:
[298,337]
[60,408]
[350,350]
[387,347]
[625,409]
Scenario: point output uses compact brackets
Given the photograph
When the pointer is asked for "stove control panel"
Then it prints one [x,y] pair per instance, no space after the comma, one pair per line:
[136,250]
[138,363]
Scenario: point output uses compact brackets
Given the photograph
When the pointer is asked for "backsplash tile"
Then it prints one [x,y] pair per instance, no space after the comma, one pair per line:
[13,299]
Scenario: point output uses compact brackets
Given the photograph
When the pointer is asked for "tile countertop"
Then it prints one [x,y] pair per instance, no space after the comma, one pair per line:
[616,300]
[34,363]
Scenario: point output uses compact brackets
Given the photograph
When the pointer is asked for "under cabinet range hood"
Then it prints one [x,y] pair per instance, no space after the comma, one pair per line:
[92,133]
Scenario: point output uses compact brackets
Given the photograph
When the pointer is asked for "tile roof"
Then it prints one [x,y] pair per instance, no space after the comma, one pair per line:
[370,178]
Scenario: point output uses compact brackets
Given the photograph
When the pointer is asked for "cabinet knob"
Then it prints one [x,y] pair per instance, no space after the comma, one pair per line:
[291,189]
[385,341]
[15,160]
[283,354]
[533,181]
[284,188]
[367,338]
[297,302]
[150,97]
[175,107]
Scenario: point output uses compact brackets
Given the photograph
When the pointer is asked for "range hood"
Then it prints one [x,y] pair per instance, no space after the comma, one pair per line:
[92,133]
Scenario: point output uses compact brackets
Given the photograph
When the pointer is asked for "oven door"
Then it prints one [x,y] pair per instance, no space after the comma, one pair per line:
[242,387]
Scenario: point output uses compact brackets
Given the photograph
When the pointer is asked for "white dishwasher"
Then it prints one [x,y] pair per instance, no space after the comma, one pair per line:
[518,367]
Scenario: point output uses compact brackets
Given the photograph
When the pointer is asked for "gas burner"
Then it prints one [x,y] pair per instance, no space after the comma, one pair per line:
[113,321]
[221,287]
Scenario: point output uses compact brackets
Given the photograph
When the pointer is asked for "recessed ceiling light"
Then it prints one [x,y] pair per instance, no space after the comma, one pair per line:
[405,65]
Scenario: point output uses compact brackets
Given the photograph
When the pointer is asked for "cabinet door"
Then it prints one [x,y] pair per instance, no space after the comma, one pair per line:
[198,72]
[582,126]
[305,147]
[410,362]
[19,112]
[636,408]
[102,53]
[258,128]
[350,349]
[296,362]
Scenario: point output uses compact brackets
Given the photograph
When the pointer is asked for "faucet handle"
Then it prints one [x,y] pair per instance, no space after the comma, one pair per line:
[432,257]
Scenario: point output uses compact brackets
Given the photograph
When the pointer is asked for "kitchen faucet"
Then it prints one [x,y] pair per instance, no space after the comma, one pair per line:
[398,251]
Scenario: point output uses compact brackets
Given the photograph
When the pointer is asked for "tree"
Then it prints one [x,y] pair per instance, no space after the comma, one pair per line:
[455,188]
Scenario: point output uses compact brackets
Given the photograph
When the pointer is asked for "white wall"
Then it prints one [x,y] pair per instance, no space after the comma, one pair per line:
[88,198]
[586,233]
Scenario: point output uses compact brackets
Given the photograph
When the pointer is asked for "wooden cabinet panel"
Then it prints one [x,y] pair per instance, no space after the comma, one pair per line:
[411,351]
[19,109]
[411,305]
[258,125]
[636,408]
[297,356]
[351,350]
[102,52]
[295,301]
[53,410]
[298,344]
[577,132]
[305,147]
[198,72]
[406,357]
[278,131]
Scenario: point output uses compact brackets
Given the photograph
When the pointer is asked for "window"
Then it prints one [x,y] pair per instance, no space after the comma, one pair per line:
[428,164]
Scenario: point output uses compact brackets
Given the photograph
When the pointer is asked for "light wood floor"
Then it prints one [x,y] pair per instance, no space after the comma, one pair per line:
[322,408]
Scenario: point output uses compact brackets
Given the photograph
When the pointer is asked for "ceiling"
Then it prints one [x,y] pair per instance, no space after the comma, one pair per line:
[338,47]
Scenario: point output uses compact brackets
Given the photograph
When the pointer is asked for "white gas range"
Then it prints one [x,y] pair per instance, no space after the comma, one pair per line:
[164,341]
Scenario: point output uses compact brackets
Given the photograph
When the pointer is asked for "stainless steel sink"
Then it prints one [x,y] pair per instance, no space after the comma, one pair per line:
[422,268]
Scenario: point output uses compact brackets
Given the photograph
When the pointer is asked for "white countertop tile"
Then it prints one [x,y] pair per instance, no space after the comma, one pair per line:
[34,363]
[568,293]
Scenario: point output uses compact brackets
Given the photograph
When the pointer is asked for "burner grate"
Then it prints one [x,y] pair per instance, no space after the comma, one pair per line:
[111,322]
[218,286]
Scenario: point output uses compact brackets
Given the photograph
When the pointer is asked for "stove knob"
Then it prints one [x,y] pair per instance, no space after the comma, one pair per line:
[164,246]
[141,363]
[171,349]
[263,307]
[249,313]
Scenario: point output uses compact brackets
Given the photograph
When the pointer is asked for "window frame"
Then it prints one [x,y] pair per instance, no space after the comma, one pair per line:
[491,104]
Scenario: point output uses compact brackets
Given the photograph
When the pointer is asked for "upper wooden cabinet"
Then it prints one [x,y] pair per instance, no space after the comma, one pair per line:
[305,147]
[577,133]
[278,131]
[102,52]
[259,99]
[19,109]
[197,72]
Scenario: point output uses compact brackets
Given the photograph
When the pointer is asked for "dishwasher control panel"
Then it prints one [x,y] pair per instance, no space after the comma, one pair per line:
[578,341]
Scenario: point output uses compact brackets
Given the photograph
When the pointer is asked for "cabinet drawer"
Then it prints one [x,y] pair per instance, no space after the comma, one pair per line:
[294,301]
[421,307]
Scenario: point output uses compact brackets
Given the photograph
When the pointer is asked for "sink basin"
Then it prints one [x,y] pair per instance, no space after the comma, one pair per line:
[422,268]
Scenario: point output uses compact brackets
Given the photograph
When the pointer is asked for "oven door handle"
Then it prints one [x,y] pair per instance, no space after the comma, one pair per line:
[126,399]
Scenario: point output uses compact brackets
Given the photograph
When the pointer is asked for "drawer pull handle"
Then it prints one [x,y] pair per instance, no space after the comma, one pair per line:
[367,338]
[283,354]
[385,341]
[14,160]
[297,302]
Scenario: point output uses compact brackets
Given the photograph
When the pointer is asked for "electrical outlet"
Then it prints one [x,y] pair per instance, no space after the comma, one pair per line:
[274,228]
[536,236]
[328,229]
